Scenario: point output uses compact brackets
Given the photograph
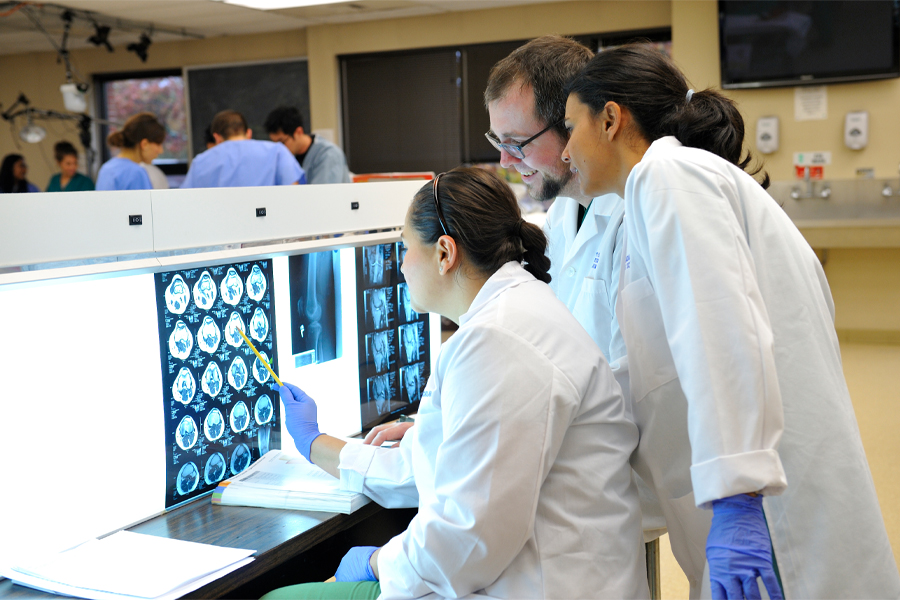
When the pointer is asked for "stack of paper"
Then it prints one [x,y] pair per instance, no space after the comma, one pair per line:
[284,479]
[128,564]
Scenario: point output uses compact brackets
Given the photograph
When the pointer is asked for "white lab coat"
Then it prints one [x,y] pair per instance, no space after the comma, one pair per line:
[584,266]
[727,317]
[520,456]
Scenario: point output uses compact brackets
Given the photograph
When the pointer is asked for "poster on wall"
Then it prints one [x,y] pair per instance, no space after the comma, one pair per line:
[315,307]
[393,350]
[220,411]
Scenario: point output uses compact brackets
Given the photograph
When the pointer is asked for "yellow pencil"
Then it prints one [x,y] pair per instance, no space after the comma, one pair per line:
[261,359]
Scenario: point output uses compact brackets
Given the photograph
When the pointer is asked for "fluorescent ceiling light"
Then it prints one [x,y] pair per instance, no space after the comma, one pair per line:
[277,4]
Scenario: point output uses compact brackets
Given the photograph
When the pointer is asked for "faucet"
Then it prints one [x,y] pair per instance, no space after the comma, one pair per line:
[796,194]
[825,192]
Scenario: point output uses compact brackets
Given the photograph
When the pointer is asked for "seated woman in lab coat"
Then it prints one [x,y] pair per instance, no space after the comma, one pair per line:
[519,460]
[734,364]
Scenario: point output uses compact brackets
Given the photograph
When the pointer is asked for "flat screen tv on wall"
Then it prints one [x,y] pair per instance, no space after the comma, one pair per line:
[781,43]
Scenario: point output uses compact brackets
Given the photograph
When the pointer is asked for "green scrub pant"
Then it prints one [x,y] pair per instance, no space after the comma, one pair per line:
[340,590]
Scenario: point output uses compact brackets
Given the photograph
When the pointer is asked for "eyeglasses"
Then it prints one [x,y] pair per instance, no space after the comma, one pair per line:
[437,204]
[515,150]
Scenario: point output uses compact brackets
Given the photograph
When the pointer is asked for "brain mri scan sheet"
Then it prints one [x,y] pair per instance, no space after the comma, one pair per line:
[392,337]
[235,323]
[220,415]
[185,386]
[315,301]
[214,471]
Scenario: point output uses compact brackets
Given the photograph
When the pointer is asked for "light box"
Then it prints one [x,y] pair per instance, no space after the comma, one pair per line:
[127,392]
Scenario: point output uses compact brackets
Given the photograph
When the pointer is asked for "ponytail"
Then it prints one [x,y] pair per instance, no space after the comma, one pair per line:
[139,127]
[535,243]
[481,214]
[656,93]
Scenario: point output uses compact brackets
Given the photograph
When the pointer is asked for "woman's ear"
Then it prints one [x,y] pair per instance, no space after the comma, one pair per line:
[611,120]
[447,254]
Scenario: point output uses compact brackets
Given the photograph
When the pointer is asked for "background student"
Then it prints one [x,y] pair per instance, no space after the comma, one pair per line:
[521,469]
[735,368]
[68,179]
[12,175]
[237,160]
[140,140]
[322,161]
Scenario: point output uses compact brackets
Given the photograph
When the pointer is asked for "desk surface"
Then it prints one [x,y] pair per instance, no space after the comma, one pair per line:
[277,536]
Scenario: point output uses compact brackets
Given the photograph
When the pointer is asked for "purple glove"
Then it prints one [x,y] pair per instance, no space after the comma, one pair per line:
[355,565]
[300,417]
[739,550]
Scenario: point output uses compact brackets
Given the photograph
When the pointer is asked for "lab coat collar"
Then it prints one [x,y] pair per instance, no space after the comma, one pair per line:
[663,145]
[508,276]
[596,219]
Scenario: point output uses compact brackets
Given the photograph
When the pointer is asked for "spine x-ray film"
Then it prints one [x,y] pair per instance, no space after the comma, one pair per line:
[220,411]
[393,349]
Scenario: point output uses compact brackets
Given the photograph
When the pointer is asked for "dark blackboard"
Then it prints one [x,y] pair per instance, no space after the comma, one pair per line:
[251,89]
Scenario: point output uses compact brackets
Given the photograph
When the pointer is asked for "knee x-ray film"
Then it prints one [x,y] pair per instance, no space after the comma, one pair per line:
[219,411]
[315,303]
[394,347]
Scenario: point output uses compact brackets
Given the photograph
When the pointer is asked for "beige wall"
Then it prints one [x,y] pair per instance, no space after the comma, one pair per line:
[327,42]
[695,45]
[38,76]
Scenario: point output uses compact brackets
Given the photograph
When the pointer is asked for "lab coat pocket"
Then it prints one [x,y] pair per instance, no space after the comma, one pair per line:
[650,363]
[592,310]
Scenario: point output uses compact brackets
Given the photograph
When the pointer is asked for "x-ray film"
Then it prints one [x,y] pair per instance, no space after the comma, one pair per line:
[185,386]
[379,308]
[214,471]
[187,479]
[412,382]
[378,262]
[381,395]
[214,425]
[392,336]
[412,342]
[404,306]
[315,301]
[381,351]
[219,411]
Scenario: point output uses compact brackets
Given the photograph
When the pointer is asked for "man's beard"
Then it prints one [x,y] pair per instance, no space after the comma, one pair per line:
[551,187]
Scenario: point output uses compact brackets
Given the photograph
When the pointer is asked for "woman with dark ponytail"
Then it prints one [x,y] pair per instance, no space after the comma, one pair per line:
[518,462]
[140,140]
[734,365]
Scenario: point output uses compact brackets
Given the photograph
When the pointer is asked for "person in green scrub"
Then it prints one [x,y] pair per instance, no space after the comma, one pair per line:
[68,179]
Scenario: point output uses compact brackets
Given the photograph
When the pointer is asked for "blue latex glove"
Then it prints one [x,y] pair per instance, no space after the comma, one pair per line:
[739,550]
[300,417]
[355,565]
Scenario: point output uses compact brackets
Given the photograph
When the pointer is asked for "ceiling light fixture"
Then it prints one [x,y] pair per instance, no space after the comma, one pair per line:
[140,48]
[279,4]
[101,36]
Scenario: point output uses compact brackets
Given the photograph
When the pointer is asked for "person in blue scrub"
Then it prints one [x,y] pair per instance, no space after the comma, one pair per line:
[141,140]
[12,175]
[68,179]
[237,160]
[323,161]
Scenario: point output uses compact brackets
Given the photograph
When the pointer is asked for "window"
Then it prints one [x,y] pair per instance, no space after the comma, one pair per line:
[161,93]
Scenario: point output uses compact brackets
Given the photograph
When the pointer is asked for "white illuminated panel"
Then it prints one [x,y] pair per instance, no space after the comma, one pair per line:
[81,397]
[333,384]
